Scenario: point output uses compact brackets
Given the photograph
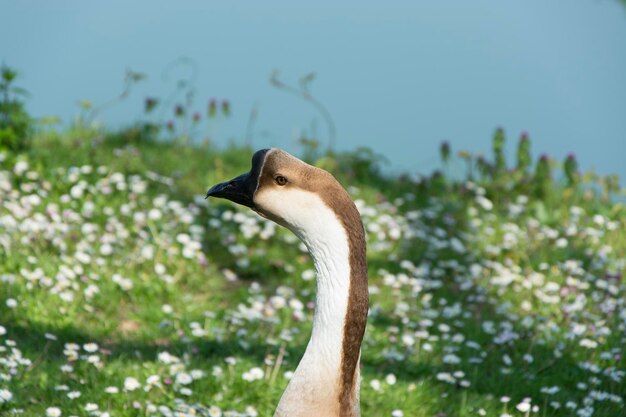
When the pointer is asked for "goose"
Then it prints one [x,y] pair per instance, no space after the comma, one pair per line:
[312,204]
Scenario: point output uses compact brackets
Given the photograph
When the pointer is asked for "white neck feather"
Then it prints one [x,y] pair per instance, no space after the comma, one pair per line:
[330,251]
[314,388]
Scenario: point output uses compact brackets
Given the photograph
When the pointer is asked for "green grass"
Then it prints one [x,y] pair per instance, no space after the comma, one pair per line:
[480,289]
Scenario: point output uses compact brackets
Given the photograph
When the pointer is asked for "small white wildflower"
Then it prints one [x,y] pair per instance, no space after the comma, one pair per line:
[375,384]
[93,359]
[253,374]
[217,371]
[588,343]
[153,380]
[20,167]
[308,275]
[550,390]
[131,384]
[215,411]
[90,347]
[5,396]
[106,249]
[571,404]
[159,269]
[155,214]
[183,378]
[53,412]
[597,219]
[197,374]
[408,340]
[484,202]
[451,359]
[124,283]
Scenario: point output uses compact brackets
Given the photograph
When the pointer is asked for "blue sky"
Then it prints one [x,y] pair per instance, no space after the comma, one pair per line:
[399,77]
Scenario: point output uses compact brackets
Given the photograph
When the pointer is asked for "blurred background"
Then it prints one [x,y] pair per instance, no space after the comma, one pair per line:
[497,267]
[398,78]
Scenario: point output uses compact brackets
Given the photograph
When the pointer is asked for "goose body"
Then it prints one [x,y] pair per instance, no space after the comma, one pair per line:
[312,204]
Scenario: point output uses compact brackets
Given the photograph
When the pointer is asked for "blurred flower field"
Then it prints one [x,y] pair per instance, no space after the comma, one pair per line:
[124,293]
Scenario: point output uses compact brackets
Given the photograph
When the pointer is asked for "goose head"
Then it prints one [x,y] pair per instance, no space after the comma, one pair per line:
[286,190]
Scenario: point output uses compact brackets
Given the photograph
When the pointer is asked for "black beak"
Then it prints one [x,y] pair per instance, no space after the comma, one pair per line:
[239,190]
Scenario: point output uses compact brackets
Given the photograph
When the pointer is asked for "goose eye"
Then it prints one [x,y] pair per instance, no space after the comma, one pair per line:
[280,180]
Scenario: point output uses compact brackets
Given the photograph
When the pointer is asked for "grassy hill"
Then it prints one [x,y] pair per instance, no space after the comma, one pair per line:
[124,293]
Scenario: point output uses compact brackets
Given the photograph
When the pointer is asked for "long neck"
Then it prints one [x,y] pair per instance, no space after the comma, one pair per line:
[332,264]
[327,378]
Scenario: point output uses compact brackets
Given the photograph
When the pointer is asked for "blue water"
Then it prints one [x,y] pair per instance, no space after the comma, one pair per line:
[396,76]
